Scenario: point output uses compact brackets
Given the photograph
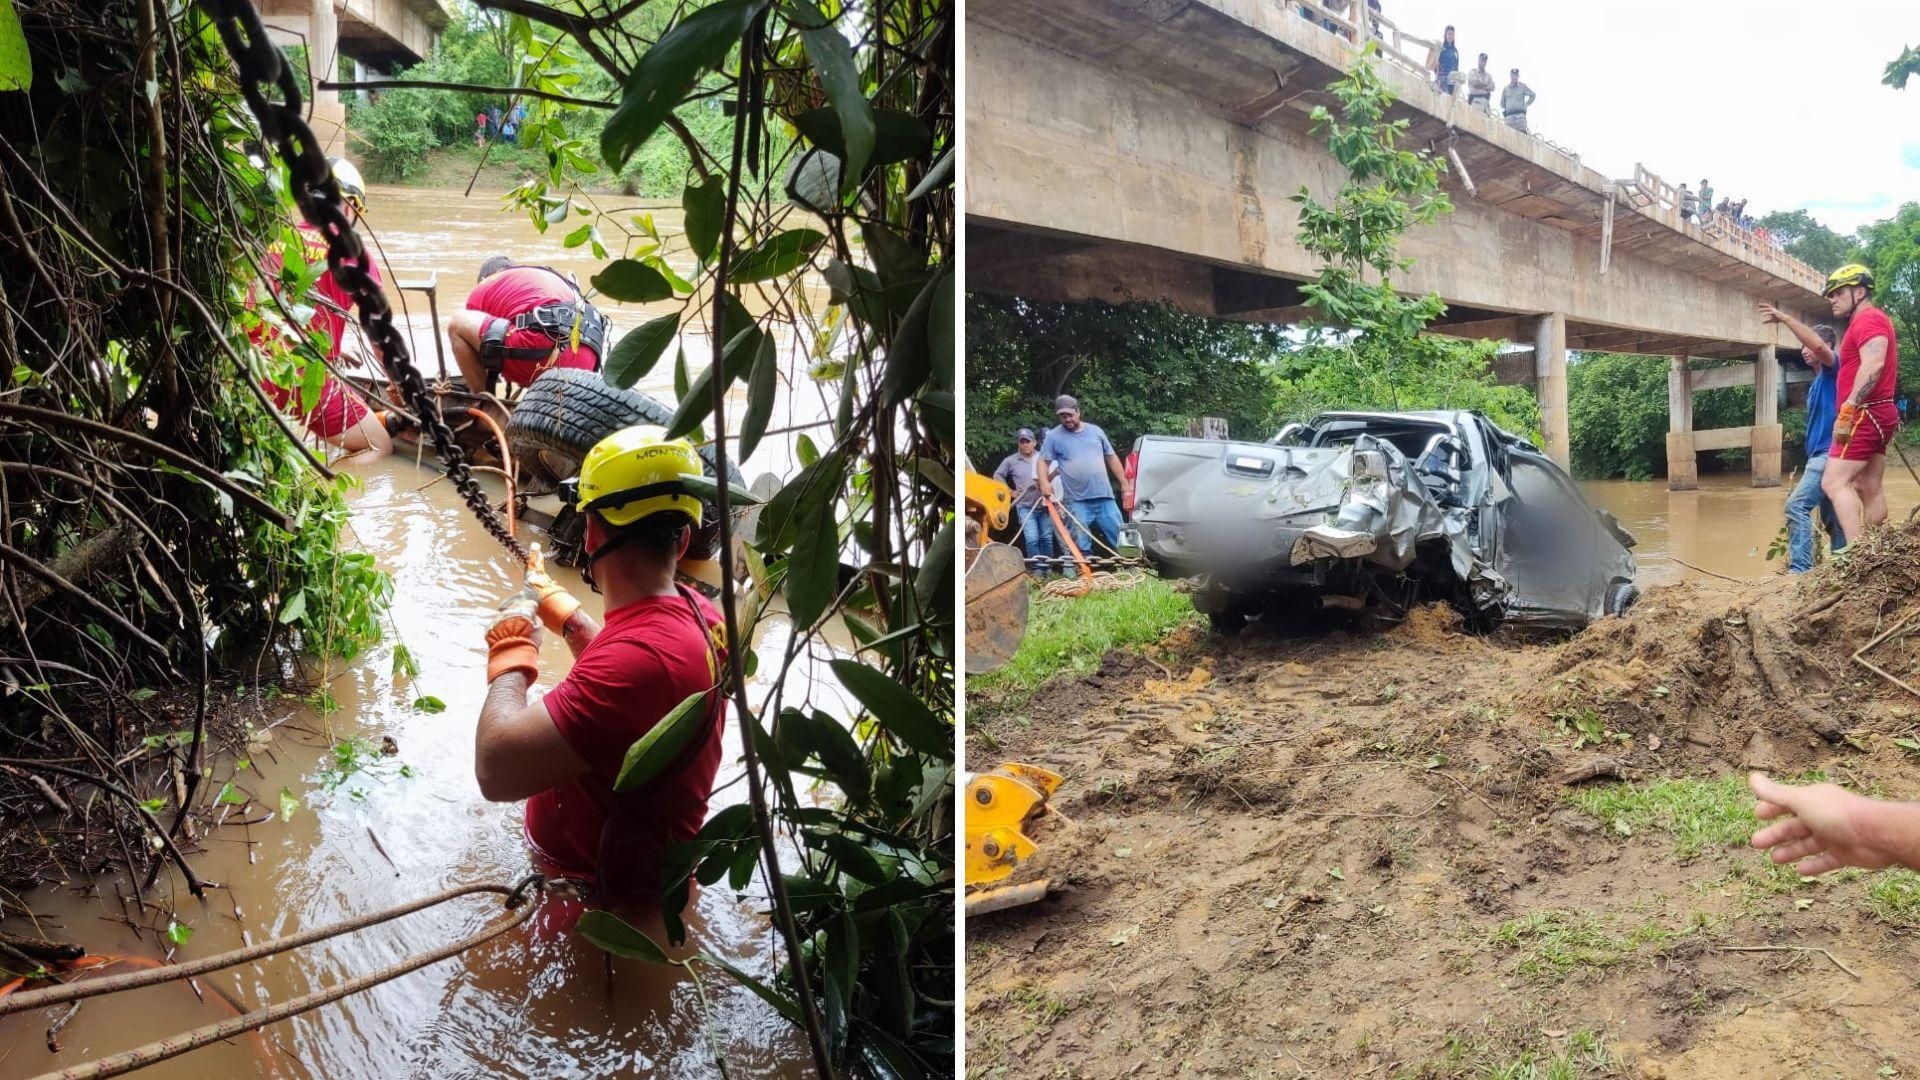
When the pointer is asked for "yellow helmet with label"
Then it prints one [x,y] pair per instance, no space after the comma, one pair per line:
[638,471]
[352,187]
[1850,274]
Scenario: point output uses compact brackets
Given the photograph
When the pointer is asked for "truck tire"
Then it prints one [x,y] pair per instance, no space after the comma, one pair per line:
[1621,596]
[566,410]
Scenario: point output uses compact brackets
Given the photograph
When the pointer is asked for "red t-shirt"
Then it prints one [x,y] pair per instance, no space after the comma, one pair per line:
[518,290]
[1869,323]
[649,657]
[325,318]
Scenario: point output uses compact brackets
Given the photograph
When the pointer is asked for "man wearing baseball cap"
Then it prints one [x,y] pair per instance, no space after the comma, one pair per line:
[1082,456]
[1020,471]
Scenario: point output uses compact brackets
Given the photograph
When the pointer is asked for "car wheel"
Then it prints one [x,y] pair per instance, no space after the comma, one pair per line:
[566,410]
[1229,622]
[1621,596]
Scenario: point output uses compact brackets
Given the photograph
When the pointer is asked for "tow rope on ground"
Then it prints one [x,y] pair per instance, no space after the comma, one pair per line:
[519,902]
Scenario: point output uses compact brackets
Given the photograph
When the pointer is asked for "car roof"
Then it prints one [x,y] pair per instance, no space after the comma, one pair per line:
[1441,416]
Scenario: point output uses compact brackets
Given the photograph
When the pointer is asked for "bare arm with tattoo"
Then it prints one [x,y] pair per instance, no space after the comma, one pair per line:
[517,752]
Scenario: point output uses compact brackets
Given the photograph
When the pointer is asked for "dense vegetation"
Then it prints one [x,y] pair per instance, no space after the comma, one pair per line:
[396,131]
[160,526]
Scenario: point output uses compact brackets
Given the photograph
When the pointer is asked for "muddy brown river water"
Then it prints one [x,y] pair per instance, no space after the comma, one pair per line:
[538,1002]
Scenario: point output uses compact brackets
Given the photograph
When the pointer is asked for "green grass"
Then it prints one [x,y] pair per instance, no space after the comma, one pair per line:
[1068,637]
[1894,897]
[1553,945]
[1585,1055]
[1699,815]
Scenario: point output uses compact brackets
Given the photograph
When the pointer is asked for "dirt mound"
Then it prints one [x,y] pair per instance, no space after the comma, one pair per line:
[1757,676]
[1429,624]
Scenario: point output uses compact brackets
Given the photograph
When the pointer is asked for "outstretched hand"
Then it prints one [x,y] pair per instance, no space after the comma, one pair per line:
[1770,314]
[1830,827]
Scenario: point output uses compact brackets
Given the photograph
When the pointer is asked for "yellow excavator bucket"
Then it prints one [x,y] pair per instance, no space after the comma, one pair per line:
[999,806]
[990,499]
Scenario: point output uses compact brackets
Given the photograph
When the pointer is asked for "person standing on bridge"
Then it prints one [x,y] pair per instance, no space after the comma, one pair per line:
[1687,203]
[1706,203]
[1480,86]
[1447,68]
[660,645]
[1864,426]
[1515,100]
[522,320]
[1020,471]
[1082,456]
[1816,348]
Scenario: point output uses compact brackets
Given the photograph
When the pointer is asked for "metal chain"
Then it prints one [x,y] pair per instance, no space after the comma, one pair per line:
[260,66]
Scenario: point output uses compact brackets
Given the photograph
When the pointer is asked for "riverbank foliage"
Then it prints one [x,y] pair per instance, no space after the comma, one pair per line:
[162,532]
[397,129]
[839,167]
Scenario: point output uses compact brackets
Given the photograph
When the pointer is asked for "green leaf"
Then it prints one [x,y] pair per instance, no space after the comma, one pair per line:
[840,754]
[705,488]
[763,385]
[663,743]
[833,60]
[697,403]
[610,933]
[937,177]
[854,859]
[404,663]
[16,63]
[578,236]
[898,136]
[295,607]
[631,281]
[669,70]
[639,349]
[705,203]
[228,794]
[153,806]
[941,341]
[813,570]
[894,706]
[178,932]
[776,255]
[429,704]
[907,359]
[288,804]
[805,496]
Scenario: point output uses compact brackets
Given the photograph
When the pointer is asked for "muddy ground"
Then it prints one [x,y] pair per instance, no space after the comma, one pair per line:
[1359,853]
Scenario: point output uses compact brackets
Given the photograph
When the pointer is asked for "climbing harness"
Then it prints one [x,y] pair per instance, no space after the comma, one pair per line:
[559,321]
[259,65]
[518,902]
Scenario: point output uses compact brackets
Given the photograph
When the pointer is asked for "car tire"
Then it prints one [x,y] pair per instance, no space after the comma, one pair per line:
[566,410]
[1229,622]
[1621,596]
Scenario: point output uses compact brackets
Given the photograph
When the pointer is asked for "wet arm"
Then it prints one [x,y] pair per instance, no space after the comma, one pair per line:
[579,631]
[517,752]
[1873,359]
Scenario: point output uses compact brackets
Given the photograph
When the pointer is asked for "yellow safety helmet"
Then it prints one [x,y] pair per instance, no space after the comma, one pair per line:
[638,471]
[1850,274]
[352,187]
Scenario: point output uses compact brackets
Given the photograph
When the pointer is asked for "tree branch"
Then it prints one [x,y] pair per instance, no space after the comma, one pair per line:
[474,88]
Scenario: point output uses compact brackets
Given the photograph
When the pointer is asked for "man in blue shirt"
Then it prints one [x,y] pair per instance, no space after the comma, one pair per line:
[1816,348]
[1082,456]
[1020,471]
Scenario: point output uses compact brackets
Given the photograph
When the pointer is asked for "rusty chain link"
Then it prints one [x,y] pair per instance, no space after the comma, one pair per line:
[260,66]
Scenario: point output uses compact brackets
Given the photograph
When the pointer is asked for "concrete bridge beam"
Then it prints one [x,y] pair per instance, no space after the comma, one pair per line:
[1683,471]
[1764,457]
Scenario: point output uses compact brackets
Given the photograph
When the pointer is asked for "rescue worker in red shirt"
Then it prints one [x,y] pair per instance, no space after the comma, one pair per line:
[1864,426]
[661,644]
[522,320]
[339,416]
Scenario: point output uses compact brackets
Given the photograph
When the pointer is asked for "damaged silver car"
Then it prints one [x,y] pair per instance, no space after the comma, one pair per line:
[1367,511]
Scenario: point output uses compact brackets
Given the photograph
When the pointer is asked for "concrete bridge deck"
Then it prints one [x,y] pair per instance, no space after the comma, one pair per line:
[1149,149]
[382,35]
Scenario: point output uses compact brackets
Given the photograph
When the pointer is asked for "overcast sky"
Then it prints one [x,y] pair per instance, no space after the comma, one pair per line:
[1777,101]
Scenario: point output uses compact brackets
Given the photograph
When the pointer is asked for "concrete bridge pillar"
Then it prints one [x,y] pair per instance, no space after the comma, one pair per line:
[1765,453]
[1683,472]
[1550,385]
[323,65]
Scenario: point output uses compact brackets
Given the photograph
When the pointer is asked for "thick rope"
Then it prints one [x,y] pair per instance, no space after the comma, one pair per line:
[161,1049]
[132,980]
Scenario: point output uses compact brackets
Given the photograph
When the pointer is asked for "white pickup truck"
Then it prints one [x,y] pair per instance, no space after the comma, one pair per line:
[1369,511]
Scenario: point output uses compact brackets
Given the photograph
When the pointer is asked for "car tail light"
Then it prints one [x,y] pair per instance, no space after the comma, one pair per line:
[1133,473]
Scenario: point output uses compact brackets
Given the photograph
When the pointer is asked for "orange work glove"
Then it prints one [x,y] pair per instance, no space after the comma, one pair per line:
[555,604]
[1845,422]
[513,643]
